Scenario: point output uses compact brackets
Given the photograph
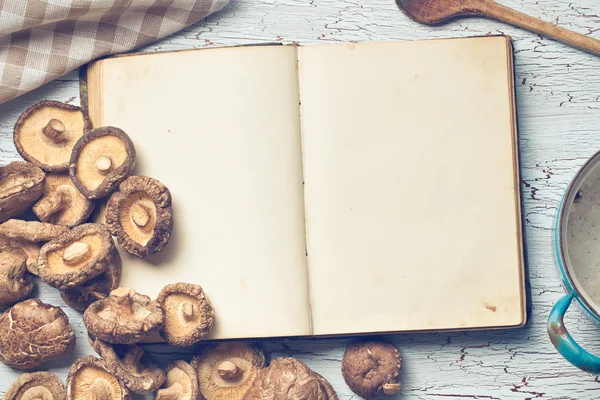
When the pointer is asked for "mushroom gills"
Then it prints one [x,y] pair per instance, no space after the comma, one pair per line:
[93,383]
[138,217]
[98,157]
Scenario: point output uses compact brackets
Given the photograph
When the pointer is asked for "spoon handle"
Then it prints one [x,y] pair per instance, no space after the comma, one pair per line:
[501,13]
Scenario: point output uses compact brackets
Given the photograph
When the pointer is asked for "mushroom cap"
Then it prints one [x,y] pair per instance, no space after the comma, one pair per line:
[40,147]
[140,196]
[188,313]
[124,317]
[76,256]
[227,370]
[98,288]
[21,185]
[62,203]
[289,379]
[181,383]
[32,332]
[101,160]
[36,385]
[372,368]
[24,237]
[15,283]
[135,368]
[90,378]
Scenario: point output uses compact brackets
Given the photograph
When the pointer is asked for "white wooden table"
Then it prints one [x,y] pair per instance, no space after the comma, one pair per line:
[558,96]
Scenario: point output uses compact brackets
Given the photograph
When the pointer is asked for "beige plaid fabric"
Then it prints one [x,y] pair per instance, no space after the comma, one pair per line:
[41,40]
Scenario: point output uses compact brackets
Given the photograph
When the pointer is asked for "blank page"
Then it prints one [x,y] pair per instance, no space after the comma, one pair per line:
[220,129]
[411,186]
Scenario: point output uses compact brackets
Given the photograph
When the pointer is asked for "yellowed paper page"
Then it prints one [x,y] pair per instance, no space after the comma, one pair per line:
[410,186]
[220,129]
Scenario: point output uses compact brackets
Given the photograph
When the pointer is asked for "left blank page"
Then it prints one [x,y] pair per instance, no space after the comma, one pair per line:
[220,128]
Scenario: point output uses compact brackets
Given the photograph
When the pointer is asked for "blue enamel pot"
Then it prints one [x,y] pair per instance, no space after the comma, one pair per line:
[577,249]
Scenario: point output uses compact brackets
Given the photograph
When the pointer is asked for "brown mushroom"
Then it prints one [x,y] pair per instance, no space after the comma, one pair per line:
[98,288]
[32,332]
[15,283]
[372,368]
[133,367]
[227,370]
[36,386]
[124,317]
[188,313]
[140,215]
[90,379]
[25,237]
[289,379]
[76,256]
[181,383]
[101,160]
[62,203]
[21,185]
[47,131]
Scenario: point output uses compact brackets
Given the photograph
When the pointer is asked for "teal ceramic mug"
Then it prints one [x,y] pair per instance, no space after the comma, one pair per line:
[577,248]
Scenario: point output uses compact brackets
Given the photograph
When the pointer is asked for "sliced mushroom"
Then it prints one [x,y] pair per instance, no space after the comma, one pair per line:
[124,317]
[140,215]
[25,237]
[372,368]
[62,203]
[21,185]
[289,379]
[47,131]
[188,314]
[227,370]
[15,283]
[98,288]
[101,160]
[181,383]
[36,386]
[133,367]
[90,379]
[32,332]
[76,256]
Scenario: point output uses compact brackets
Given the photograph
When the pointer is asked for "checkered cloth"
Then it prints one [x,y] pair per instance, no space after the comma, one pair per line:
[41,40]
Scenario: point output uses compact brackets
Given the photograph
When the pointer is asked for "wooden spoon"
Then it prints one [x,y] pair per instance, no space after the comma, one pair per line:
[432,12]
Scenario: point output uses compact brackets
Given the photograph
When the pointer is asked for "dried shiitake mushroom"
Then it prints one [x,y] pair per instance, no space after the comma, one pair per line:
[124,317]
[21,185]
[188,313]
[32,333]
[76,256]
[101,160]
[80,297]
[133,367]
[25,237]
[181,383]
[372,368]
[227,370]
[90,379]
[36,386]
[140,215]
[289,379]
[47,131]
[15,283]
[62,203]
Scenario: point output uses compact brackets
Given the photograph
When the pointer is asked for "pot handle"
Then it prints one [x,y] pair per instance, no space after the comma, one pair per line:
[564,342]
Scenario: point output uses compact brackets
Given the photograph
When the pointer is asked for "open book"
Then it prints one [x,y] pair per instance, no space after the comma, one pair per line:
[330,189]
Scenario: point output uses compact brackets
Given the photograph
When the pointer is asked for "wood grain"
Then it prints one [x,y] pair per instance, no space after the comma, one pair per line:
[558,96]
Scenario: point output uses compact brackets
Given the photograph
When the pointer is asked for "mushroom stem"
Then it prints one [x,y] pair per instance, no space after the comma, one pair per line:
[48,206]
[54,130]
[172,392]
[228,370]
[103,163]
[123,298]
[392,388]
[99,390]
[76,253]
[133,356]
[139,215]
[187,310]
